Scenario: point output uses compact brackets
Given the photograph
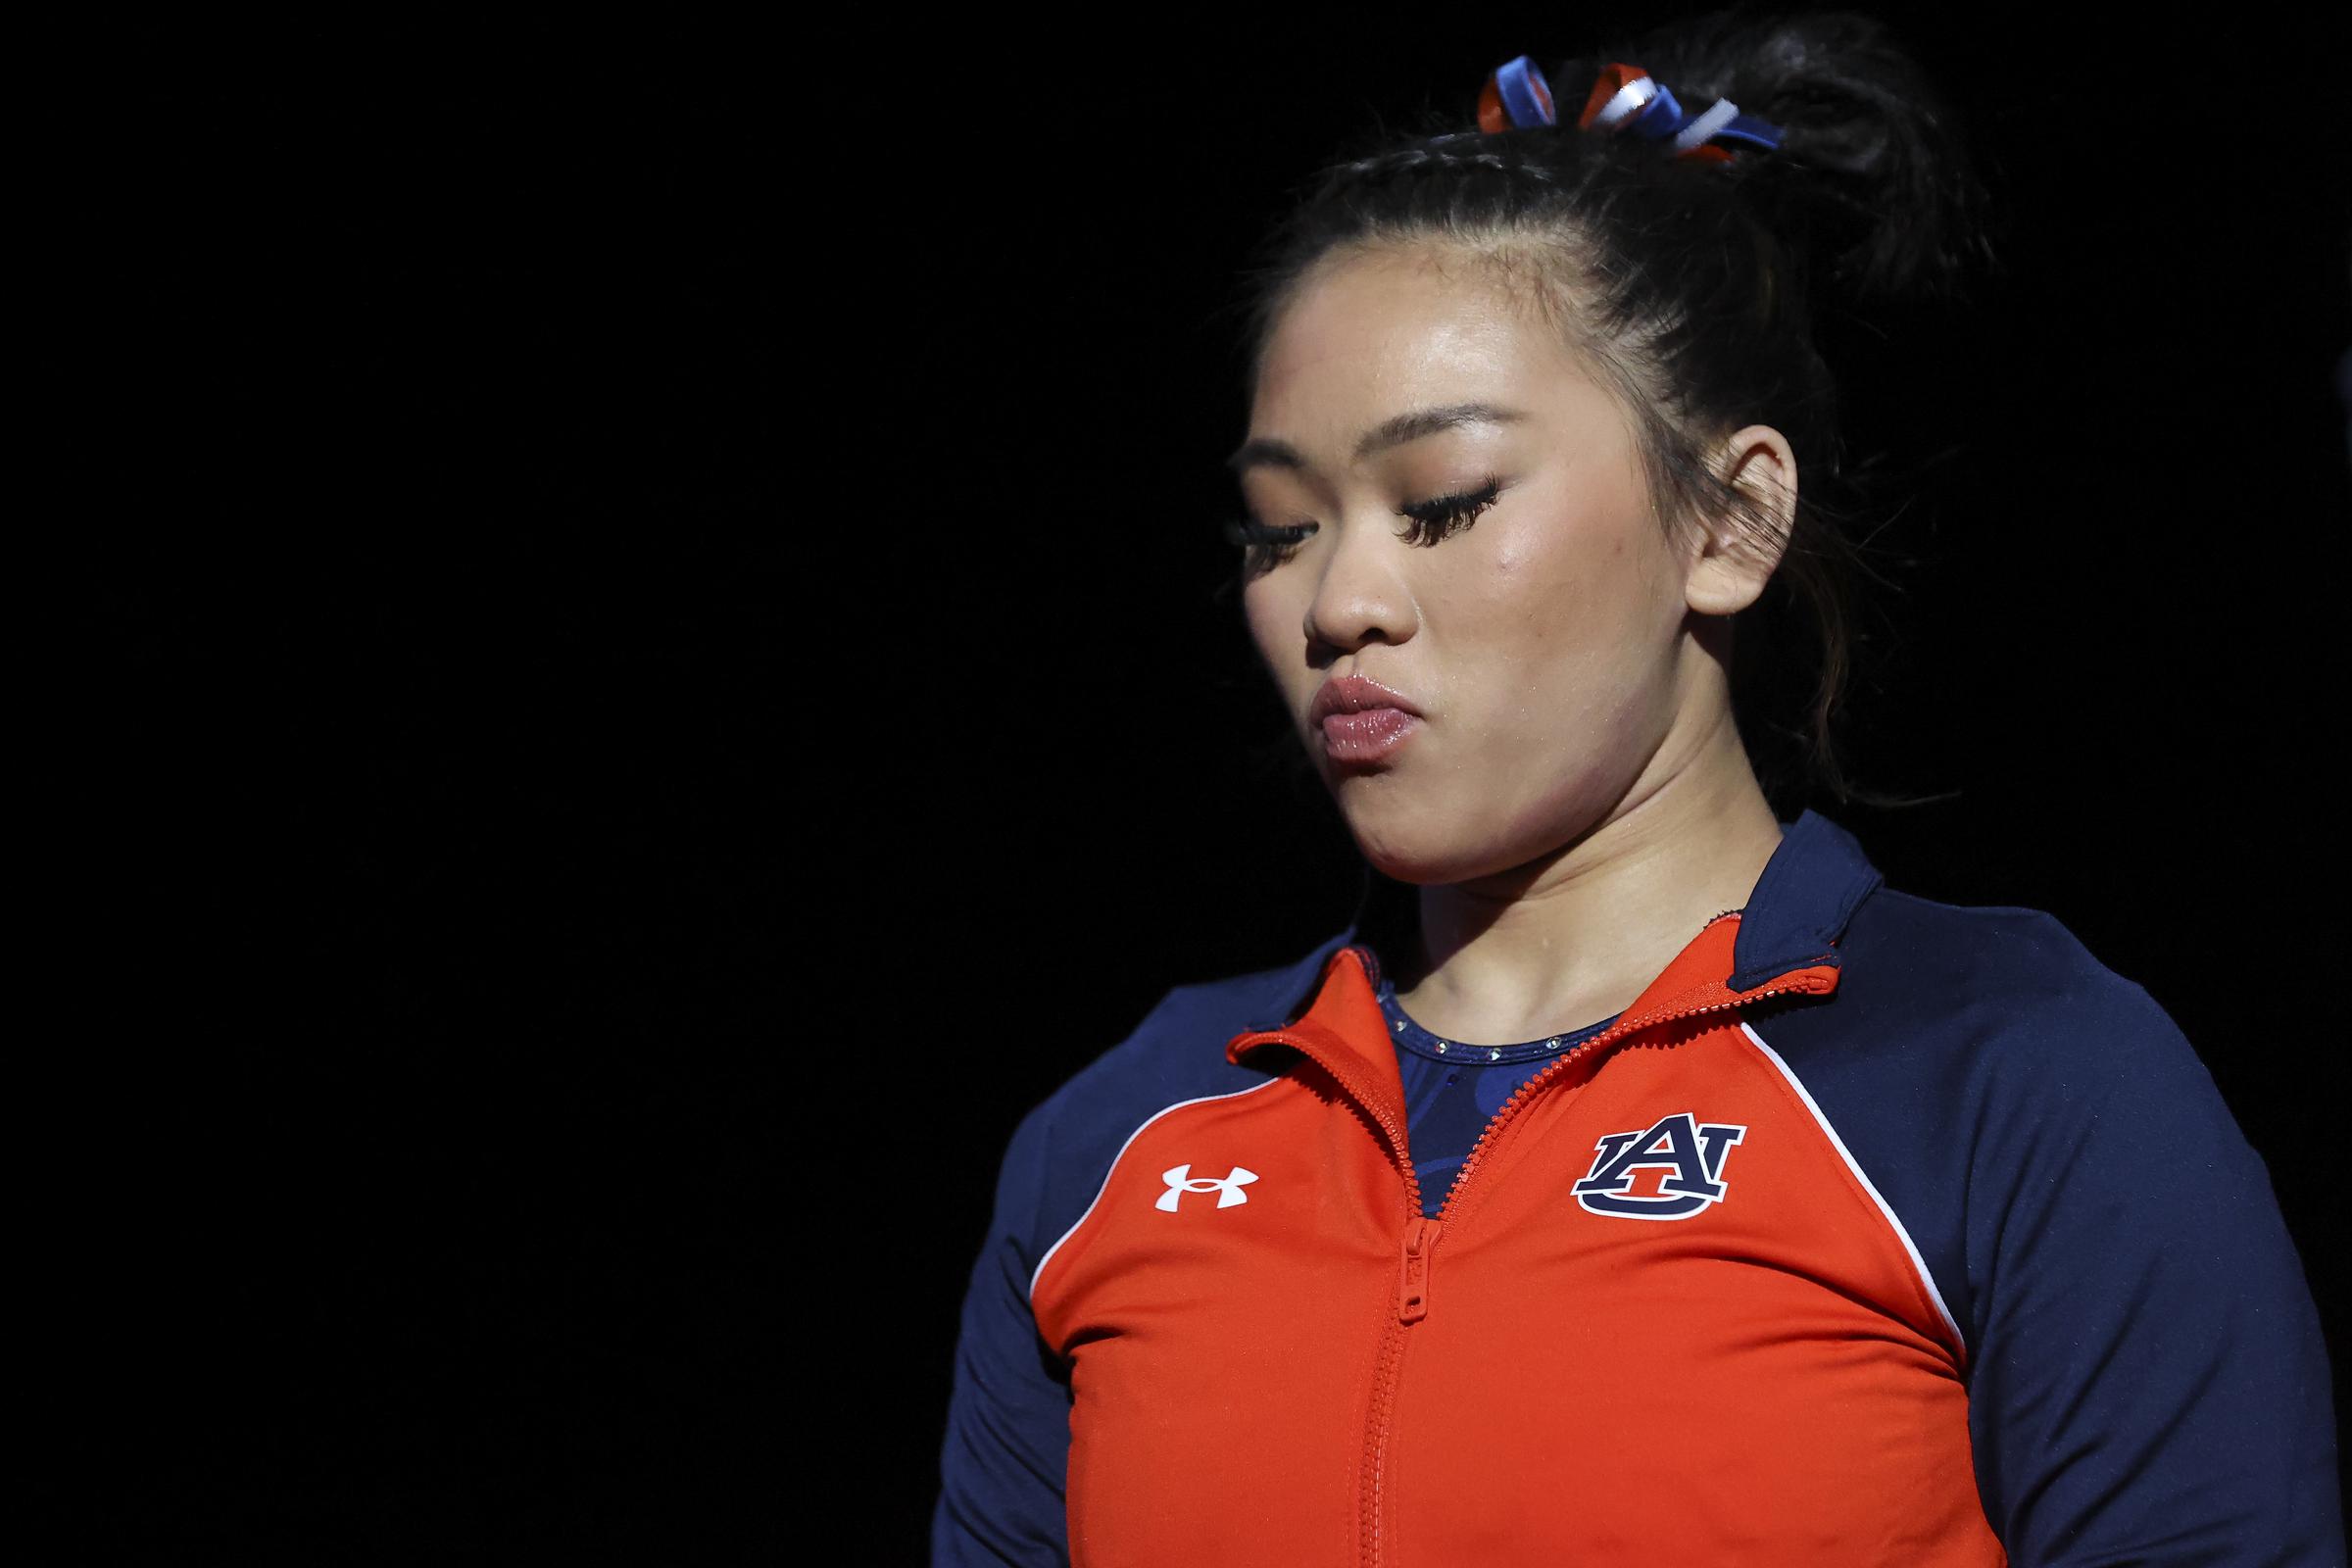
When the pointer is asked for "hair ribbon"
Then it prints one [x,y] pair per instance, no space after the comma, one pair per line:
[1624,98]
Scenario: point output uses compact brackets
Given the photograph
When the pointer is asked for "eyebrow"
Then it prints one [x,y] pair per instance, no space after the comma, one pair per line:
[1270,452]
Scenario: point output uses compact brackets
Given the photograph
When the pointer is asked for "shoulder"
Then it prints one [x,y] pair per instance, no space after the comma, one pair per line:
[2011,989]
[1978,1061]
[1999,1034]
[1065,1145]
[2027,953]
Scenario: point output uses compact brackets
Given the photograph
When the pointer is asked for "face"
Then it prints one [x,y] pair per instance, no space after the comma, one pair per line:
[1474,535]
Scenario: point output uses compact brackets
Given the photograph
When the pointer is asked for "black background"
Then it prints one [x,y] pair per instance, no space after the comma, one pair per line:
[619,568]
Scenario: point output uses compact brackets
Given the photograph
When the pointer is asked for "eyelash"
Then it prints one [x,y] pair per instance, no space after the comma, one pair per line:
[1431,521]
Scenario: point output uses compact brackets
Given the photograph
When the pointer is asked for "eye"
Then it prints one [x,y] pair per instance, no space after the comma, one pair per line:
[1434,519]
[1267,545]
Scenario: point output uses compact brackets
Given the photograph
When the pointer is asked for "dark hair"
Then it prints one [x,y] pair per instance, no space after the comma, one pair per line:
[1694,287]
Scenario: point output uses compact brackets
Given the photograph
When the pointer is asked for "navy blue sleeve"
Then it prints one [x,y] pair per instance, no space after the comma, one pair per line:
[1003,1465]
[2149,1384]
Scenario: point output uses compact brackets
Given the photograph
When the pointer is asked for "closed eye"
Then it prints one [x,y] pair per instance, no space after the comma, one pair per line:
[1269,545]
[1444,515]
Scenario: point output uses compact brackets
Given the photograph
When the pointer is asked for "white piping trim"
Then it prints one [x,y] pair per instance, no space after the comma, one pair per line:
[1901,1235]
[1114,1165]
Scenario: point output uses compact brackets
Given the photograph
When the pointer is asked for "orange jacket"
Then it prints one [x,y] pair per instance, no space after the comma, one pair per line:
[1667,1307]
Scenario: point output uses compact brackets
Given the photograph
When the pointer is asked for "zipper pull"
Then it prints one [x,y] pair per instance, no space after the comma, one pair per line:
[1412,1278]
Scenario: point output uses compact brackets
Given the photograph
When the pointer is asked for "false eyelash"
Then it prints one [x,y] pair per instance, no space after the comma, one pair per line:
[1249,531]
[1265,546]
[1429,521]
[1444,515]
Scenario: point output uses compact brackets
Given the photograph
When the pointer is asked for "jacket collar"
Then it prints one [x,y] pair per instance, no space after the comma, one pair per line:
[1802,904]
[1790,924]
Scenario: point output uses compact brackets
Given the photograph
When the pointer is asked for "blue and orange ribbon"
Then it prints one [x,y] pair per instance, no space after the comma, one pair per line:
[1624,98]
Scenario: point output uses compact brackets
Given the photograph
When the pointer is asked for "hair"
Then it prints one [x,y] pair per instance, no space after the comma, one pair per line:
[1693,288]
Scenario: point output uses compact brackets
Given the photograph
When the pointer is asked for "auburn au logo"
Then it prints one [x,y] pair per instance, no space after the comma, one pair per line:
[1691,1154]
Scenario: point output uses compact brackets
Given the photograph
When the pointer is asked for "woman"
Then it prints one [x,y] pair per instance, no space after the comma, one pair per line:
[1650,1175]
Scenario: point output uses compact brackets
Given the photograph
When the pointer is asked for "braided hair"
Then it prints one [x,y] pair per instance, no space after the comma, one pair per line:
[1694,288]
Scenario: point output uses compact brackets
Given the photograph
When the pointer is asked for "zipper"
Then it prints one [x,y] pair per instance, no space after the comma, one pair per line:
[1412,1278]
[1415,1253]
[1412,1291]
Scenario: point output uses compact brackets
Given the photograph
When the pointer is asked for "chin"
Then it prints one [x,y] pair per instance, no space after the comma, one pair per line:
[1426,848]
[1435,843]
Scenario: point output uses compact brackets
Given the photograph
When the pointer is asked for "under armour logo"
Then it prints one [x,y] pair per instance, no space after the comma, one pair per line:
[1691,1155]
[1228,1189]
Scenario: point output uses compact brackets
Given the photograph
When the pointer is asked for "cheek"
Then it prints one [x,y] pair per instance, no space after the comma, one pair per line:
[1561,646]
[1573,587]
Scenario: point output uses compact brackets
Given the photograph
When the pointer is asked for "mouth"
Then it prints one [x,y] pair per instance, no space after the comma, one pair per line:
[1362,721]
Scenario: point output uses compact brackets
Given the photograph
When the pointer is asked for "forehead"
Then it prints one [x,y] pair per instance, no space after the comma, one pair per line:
[1403,326]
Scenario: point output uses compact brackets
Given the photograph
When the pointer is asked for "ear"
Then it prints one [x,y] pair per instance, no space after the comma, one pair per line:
[1732,565]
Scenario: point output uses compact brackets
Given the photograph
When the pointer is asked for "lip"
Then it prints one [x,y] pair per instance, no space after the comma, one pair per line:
[1355,693]
[1362,721]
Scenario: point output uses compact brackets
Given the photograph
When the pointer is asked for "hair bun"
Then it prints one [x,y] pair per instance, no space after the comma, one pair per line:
[1872,180]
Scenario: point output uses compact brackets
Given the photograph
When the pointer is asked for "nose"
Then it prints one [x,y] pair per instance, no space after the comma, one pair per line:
[1361,595]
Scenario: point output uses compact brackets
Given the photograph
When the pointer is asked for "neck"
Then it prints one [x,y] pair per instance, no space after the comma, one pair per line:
[1576,935]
